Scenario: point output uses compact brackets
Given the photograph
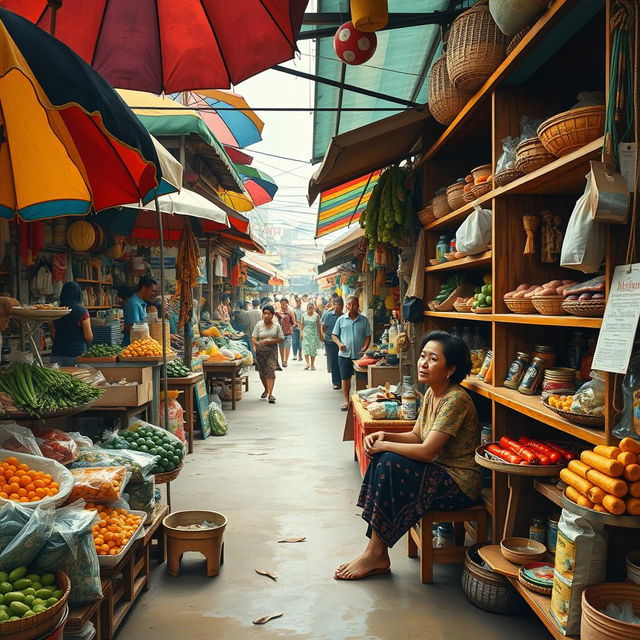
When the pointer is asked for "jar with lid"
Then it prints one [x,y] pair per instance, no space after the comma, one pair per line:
[546,353]
[486,434]
[485,365]
[587,359]
[140,331]
[577,347]
[538,530]
[409,400]
[517,370]
[552,531]
[532,378]
[452,246]
[441,248]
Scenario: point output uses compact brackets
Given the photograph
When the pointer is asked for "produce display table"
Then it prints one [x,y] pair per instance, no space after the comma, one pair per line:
[123,413]
[223,370]
[359,424]
[187,386]
[80,616]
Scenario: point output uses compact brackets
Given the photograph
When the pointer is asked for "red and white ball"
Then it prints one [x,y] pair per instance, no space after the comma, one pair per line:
[353,46]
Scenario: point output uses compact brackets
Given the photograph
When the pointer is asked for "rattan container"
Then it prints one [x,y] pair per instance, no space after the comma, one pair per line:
[520,305]
[531,155]
[488,590]
[476,47]
[571,130]
[426,215]
[440,205]
[506,176]
[445,101]
[481,189]
[455,195]
[549,305]
[515,41]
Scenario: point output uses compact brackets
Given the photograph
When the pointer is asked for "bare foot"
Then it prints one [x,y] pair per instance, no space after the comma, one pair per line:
[364,565]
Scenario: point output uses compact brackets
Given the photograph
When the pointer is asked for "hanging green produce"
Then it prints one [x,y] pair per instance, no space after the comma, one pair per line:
[389,214]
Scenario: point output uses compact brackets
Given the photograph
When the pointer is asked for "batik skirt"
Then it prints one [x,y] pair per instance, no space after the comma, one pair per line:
[267,360]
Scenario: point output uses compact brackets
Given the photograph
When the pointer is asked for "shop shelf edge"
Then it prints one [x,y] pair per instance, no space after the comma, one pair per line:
[552,321]
[470,261]
[549,491]
[478,386]
[482,317]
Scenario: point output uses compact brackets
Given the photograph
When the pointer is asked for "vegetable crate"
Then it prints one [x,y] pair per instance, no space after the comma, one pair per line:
[127,396]
[123,583]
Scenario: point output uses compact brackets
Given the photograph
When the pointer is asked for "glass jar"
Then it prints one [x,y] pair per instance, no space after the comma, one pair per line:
[552,531]
[546,353]
[576,349]
[486,434]
[587,359]
[441,248]
[140,331]
[485,365]
[538,530]
[532,378]
[517,370]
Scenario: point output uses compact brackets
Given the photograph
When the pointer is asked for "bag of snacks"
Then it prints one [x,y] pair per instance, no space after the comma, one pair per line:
[176,415]
[23,532]
[142,496]
[139,464]
[217,420]
[14,437]
[104,484]
[56,444]
[589,398]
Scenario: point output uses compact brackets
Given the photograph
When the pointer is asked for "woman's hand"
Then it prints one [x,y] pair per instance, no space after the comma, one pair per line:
[373,443]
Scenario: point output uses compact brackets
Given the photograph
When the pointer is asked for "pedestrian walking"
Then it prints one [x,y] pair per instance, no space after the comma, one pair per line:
[266,337]
[296,341]
[287,319]
[327,323]
[310,334]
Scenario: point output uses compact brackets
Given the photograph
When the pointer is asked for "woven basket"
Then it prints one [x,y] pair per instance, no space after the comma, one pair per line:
[426,215]
[488,590]
[520,305]
[167,476]
[549,305]
[440,206]
[468,196]
[482,170]
[578,418]
[454,195]
[463,291]
[531,155]
[482,310]
[475,49]
[461,307]
[505,177]
[571,130]
[481,189]
[587,308]
[445,101]
[513,43]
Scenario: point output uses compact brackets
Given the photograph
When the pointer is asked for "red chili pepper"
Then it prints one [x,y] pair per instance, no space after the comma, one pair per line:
[504,454]
[529,455]
[541,448]
[566,454]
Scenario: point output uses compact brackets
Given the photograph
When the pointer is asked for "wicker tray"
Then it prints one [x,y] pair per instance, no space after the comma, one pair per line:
[549,305]
[532,155]
[520,305]
[537,471]
[482,310]
[168,476]
[461,307]
[39,625]
[577,418]
[536,588]
[506,176]
[463,291]
[481,189]
[587,308]
[571,130]
[454,195]
[24,313]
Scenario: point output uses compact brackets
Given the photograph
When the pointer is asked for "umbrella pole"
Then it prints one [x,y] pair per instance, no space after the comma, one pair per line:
[165,384]
[54,5]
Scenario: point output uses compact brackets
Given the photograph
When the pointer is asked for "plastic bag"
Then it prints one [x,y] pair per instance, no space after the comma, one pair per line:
[629,425]
[507,159]
[56,444]
[589,99]
[585,239]
[104,484]
[529,128]
[589,398]
[217,420]
[142,496]
[23,532]
[139,464]
[474,234]
[176,416]
[216,398]
[83,442]
[14,437]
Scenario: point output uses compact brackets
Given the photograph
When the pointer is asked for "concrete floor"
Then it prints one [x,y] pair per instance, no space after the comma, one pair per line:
[283,471]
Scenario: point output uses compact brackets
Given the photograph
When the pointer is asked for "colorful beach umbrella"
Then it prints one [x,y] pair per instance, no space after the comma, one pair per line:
[258,184]
[237,156]
[164,46]
[68,143]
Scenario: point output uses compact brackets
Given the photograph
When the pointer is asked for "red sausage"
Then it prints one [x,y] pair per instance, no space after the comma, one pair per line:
[504,454]
[529,455]
[541,448]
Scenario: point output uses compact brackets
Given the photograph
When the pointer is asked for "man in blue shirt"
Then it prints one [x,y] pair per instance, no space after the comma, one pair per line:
[328,322]
[352,334]
[135,308]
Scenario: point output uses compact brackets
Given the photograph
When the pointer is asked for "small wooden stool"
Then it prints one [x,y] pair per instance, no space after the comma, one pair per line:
[420,537]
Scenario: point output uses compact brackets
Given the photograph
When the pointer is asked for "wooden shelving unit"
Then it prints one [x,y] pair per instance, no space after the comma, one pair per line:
[470,262]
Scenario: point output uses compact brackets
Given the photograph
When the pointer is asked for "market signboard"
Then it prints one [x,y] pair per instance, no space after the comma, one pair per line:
[202,401]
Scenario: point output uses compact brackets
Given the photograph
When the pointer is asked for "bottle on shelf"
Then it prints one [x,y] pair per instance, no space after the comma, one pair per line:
[409,399]
[441,248]
[393,335]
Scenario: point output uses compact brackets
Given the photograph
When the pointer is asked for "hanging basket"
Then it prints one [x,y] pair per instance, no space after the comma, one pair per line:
[475,49]
[445,101]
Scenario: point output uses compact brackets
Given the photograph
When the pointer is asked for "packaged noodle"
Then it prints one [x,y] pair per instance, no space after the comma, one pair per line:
[104,484]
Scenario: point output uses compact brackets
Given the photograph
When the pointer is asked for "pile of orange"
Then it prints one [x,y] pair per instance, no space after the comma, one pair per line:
[21,483]
[114,530]
[143,349]
[217,357]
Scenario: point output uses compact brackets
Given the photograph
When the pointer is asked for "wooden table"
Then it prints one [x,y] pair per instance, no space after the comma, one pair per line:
[187,386]
[359,424]
[223,369]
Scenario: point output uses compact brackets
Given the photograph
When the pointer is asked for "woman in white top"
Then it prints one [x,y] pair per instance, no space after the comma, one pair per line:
[266,337]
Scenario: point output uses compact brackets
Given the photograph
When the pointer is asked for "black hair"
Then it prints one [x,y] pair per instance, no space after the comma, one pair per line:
[225,296]
[268,307]
[284,300]
[334,295]
[241,304]
[255,302]
[338,300]
[124,291]
[146,281]
[455,351]
[71,294]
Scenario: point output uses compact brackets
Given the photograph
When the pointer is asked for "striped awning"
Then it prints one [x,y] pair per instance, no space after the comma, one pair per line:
[344,204]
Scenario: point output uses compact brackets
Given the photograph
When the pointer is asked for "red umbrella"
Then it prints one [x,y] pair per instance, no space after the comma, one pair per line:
[174,46]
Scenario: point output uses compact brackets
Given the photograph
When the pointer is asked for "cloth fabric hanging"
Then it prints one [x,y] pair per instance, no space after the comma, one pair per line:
[416,286]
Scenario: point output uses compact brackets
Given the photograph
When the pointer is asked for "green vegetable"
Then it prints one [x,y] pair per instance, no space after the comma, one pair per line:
[102,351]
[6,587]
[13,596]
[19,608]
[17,573]
[177,369]
[21,584]
[44,594]
[47,579]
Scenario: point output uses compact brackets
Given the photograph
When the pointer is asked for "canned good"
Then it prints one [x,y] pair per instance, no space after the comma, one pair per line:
[552,531]
[532,378]
[486,434]
[546,353]
[485,365]
[517,370]
[538,530]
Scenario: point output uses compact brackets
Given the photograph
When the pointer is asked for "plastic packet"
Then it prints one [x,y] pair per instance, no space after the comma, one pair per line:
[56,444]
[139,464]
[529,127]
[507,159]
[474,234]
[595,285]
[214,397]
[377,410]
[217,420]
[622,611]
[176,416]
[142,496]
[83,442]
[87,374]
[103,484]
[14,437]
[589,398]
[23,532]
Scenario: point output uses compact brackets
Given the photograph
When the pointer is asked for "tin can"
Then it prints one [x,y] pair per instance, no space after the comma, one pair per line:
[486,434]
[552,531]
[485,365]
[546,353]
[517,370]
[532,378]
[538,530]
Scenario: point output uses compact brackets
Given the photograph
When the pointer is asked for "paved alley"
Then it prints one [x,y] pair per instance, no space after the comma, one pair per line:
[283,471]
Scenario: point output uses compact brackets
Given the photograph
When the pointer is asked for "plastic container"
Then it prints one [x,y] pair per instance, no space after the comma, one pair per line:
[596,625]
[112,561]
[140,331]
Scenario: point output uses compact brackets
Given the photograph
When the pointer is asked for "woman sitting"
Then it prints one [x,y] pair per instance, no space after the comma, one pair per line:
[72,333]
[431,467]
[267,335]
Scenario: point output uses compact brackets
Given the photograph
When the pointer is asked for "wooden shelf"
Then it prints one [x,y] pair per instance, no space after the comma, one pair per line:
[87,281]
[473,262]
[99,308]
[478,386]
[549,491]
[482,317]
[549,321]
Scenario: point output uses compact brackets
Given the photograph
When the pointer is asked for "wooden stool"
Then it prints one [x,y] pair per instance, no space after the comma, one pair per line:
[420,537]
[212,549]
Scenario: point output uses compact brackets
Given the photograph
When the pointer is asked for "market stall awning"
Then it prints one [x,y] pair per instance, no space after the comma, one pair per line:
[345,244]
[344,204]
[375,146]
[276,277]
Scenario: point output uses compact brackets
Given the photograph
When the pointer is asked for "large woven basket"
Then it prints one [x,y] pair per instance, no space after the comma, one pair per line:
[577,418]
[531,155]
[506,176]
[587,308]
[549,305]
[488,590]
[515,41]
[426,215]
[454,195]
[445,101]
[520,305]
[476,47]
[440,206]
[571,130]
[481,189]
